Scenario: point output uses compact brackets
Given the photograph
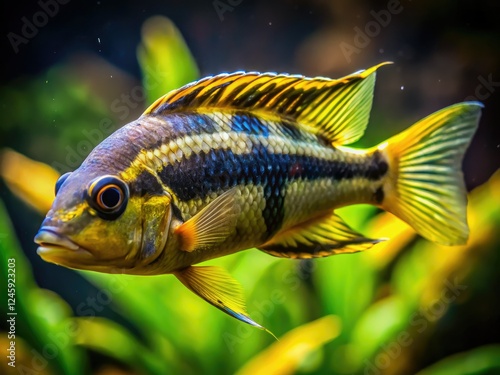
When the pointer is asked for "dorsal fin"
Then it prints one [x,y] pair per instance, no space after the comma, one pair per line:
[337,109]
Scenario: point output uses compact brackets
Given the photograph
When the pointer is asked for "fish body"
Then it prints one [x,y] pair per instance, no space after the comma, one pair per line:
[249,160]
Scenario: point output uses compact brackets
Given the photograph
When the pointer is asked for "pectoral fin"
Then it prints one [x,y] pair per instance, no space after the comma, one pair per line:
[218,288]
[319,237]
[212,225]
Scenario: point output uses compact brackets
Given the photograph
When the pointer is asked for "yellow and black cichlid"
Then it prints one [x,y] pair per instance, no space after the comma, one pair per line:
[249,160]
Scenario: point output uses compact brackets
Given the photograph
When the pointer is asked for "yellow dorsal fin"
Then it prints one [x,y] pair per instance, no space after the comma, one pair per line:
[218,288]
[337,109]
[212,225]
[323,236]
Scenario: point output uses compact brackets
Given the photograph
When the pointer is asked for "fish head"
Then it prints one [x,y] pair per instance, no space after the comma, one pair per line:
[100,222]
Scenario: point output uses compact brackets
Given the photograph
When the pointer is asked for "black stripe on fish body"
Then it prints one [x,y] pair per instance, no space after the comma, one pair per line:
[146,184]
[373,168]
[219,170]
[274,194]
[202,174]
[377,166]
[379,195]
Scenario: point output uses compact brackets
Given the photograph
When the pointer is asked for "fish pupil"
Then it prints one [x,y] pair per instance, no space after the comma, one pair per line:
[111,197]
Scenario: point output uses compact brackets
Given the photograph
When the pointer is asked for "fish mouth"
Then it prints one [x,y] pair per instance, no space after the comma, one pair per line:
[55,247]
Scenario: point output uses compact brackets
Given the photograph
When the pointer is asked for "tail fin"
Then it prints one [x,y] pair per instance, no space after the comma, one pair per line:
[425,186]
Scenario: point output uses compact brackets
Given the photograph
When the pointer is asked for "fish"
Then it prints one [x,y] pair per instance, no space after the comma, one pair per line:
[250,160]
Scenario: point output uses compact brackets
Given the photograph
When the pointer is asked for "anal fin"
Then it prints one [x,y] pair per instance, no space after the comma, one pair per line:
[319,237]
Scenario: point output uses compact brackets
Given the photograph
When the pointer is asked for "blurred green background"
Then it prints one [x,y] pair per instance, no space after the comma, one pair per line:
[83,69]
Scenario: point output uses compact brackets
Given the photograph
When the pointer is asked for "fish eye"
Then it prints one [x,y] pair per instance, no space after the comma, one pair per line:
[108,195]
[61,180]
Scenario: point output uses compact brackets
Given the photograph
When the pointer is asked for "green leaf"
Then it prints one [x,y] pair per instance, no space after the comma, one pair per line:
[383,321]
[482,360]
[346,284]
[156,305]
[164,57]
[111,339]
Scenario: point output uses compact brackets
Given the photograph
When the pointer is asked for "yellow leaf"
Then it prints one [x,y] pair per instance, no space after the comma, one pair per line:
[31,181]
[399,235]
[284,356]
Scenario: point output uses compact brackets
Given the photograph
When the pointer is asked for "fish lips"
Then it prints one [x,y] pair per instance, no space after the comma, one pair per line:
[57,248]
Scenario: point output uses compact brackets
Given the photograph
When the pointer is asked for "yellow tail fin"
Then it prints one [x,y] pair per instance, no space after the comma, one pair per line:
[425,186]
